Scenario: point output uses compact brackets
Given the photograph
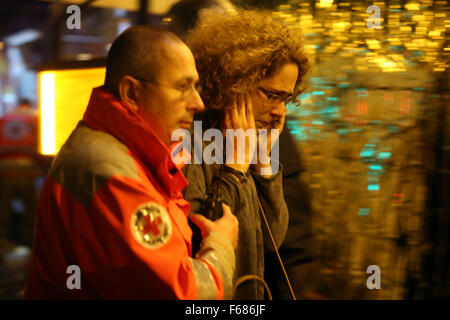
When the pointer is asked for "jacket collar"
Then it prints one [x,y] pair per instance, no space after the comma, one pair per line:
[105,112]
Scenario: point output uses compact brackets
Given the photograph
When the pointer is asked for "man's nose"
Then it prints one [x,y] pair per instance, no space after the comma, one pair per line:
[196,102]
[279,110]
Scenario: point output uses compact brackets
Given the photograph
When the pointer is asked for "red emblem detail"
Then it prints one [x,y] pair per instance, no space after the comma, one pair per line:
[151,225]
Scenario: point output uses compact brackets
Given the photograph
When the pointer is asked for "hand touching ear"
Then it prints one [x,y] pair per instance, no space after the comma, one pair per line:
[239,115]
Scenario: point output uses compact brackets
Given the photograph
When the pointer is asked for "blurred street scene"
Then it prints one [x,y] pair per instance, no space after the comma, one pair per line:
[373,130]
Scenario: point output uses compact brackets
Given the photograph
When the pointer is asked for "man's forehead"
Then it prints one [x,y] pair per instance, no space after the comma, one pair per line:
[172,51]
[177,62]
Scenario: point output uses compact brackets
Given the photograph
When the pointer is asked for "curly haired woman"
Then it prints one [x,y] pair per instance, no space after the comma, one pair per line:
[250,66]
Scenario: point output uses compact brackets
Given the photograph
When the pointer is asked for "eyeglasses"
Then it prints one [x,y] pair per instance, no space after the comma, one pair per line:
[186,89]
[276,98]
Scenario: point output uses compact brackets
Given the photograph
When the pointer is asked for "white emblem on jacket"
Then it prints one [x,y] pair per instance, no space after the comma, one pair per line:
[150,225]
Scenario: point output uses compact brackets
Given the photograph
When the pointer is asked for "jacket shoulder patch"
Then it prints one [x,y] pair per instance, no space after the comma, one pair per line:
[150,225]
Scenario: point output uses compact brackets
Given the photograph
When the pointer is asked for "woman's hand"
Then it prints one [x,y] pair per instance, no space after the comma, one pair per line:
[239,115]
[263,165]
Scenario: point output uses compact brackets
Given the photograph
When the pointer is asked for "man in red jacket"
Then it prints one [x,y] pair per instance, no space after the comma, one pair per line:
[111,220]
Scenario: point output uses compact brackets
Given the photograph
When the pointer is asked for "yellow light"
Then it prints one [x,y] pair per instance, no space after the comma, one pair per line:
[395,41]
[405,28]
[64,95]
[421,30]
[388,64]
[341,26]
[435,33]
[412,6]
[418,17]
[311,48]
[420,42]
[373,44]
[325,3]
[47,112]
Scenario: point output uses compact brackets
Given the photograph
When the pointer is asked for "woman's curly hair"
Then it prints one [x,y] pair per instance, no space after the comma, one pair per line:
[235,51]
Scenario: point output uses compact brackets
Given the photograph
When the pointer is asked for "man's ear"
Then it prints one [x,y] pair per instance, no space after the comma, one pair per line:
[130,91]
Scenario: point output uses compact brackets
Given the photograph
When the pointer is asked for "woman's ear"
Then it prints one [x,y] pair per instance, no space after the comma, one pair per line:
[130,91]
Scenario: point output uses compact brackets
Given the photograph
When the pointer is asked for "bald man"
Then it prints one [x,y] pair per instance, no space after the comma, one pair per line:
[111,221]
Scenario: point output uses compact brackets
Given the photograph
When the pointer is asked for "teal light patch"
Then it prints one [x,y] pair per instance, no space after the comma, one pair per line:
[343,85]
[297,130]
[317,122]
[393,129]
[366,153]
[384,155]
[376,122]
[342,132]
[375,167]
[361,92]
[292,123]
[332,98]
[318,93]
[373,187]
[363,211]
[290,104]
[369,145]
[418,89]
[316,80]
[329,109]
[304,96]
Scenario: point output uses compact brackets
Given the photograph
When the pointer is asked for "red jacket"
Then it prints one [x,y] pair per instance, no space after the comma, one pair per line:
[111,205]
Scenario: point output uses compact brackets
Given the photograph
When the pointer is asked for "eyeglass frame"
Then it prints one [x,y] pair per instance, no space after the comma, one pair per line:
[285,98]
[192,88]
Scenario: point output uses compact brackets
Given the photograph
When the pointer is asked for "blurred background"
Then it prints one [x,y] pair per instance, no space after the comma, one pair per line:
[372,130]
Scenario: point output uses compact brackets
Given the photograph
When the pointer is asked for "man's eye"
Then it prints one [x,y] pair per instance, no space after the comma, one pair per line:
[184,87]
[274,97]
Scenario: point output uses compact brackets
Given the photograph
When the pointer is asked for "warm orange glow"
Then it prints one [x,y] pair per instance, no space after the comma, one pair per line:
[63,96]
[47,112]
